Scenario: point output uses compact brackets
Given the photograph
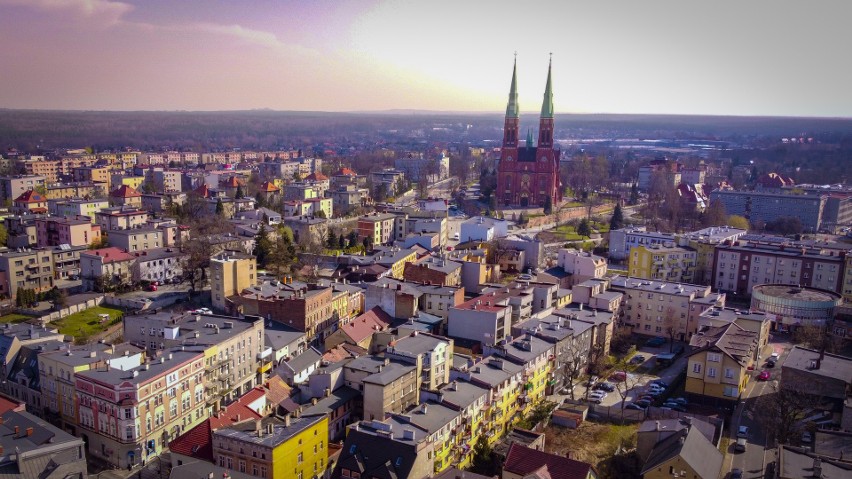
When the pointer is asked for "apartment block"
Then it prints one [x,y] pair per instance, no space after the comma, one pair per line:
[74,207]
[73,231]
[121,218]
[621,241]
[231,272]
[432,355]
[717,368]
[136,239]
[12,187]
[480,321]
[30,447]
[26,268]
[760,207]
[304,307]
[105,266]
[433,270]
[129,416]
[125,196]
[378,228]
[663,262]
[387,386]
[741,266]
[91,174]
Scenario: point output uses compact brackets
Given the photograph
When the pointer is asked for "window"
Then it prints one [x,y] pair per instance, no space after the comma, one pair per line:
[715,357]
[711,372]
[299,458]
[729,373]
[696,368]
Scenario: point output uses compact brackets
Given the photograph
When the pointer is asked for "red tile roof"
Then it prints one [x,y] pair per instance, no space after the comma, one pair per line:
[316,177]
[7,405]
[365,325]
[346,172]
[125,191]
[30,196]
[202,191]
[522,460]
[197,442]
[232,182]
[110,255]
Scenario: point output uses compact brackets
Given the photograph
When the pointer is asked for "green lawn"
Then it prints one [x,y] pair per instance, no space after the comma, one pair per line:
[14,318]
[86,323]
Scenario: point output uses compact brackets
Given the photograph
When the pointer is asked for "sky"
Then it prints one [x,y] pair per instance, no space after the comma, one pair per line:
[723,57]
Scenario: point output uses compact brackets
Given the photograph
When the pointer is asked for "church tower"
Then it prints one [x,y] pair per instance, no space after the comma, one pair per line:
[512,121]
[545,122]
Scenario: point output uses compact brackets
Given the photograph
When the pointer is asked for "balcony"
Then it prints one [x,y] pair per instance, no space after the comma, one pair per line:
[264,368]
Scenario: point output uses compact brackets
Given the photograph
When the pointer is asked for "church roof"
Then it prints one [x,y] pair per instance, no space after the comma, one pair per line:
[547,103]
[512,109]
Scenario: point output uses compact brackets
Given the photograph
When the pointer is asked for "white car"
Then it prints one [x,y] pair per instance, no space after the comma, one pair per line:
[597,396]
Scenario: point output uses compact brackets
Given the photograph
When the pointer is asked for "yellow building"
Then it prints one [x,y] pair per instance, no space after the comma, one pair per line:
[662,262]
[718,365]
[395,259]
[288,448]
[230,273]
[117,180]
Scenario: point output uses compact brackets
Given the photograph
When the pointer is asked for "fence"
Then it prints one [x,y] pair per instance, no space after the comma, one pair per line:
[128,303]
[71,309]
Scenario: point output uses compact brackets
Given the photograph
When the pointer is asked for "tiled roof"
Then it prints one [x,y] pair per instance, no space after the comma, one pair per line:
[316,177]
[345,172]
[30,196]
[197,442]
[268,187]
[125,191]
[110,255]
[202,191]
[363,326]
[523,460]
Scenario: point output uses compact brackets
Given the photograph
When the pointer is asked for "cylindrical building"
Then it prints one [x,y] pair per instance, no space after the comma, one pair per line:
[791,306]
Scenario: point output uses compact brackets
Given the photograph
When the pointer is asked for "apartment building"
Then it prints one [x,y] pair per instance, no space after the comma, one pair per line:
[26,268]
[231,272]
[432,355]
[378,228]
[537,357]
[572,341]
[58,191]
[120,218]
[433,270]
[277,169]
[621,241]
[309,207]
[505,380]
[66,261]
[73,231]
[470,401]
[30,447]
[105,266]
[21,230]
[301,306]
[30,202]
[704,242]
[166,181]
[577,266]
[480,321]
[348,197]
[91,174]
[235,357]
[136,239]
[117,180]
[12,187]
[480,228]
[387,386]
[274,447]
[75,207]
[663,262]
[390,448]
[125,196]
[717,368]
[162,265]
[129,416]
[437,300]
[656,308]
[763,207]
[741,266]
[51,170]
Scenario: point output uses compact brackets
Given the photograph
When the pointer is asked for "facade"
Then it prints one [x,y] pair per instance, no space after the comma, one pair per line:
[377,228]
[433,270]
[766,207]
[432,355]
[136,239]
[76,207]
[230,273]
[106,266]
[30,202]
[12,187]
[581,266]
[66,261]
[621,241]
[480,321]
[385,449]
[528,175]
[386,386]
[663,263]
[26,268]
[73,231]
[120,218]
[127,416]
[717,368]
[739,267]
[126,196]
[480,228]
[162,265]
[431,168]
[789,307]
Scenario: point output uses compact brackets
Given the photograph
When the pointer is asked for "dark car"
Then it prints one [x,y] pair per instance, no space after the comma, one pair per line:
[643,403]
[604,386]
[736,473]
[770,363]
[658,341]
[660,382]
[635,406]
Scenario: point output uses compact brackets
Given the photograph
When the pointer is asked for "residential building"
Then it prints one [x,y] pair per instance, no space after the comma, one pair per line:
[26,268]
[58,191]
[294,447]
[121,218]
[816,373]
[347,198]
[21,230]
[125,196]
[129,416]
[505,381]
[662,262]
[75,207]
[717,369]
[298,369]
[12,187]
[480,228]
[652,432]
[387,386]
[537,357]
[377,228]
[162,265]
[739,267]
[754,321]
[106,267]
[621,241]
[389,178]
[30,447]
[480,321]
[91,174]
[704,242]
[116,180]
[73,231]
[804,463]
[432,270]
[417,167]
[660,171]
[437,300]
[580,266]
[231,272]
[432,355]
[524,462]
[761,207]
[686,453]
[359,331]
[66,261]
[390,448]
[30,202]
[307,229]
[656,308]
[134,240]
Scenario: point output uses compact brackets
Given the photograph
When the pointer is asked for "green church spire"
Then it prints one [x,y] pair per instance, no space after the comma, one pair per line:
[512,110]
[529,139]
[547,104]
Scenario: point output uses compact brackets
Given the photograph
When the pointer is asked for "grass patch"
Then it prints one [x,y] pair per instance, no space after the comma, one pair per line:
[14,318]
[86,323]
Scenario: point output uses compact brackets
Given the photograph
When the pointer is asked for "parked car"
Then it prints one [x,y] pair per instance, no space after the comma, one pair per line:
[604,386]
[773,357]
[524,277]
[742,431]
[597,396]
[660,382]
[455,236]
[807,438]
[655,342]
[740,446]
[682,401]
[634,406]
[764,376]
[770,363]
[736,473]
[618,376]
[638,359]
[592,380]
[643,402]
[152,287]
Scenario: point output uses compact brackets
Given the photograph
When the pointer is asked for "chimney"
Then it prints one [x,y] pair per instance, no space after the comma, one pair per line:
[17,430]
[327,392]
[286,420]
[29,431]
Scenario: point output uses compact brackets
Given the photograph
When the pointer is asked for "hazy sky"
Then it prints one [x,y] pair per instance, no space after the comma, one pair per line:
[755,57]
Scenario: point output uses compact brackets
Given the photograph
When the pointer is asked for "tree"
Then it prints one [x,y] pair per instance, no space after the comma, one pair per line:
[671,326]
[367,242]
[634,194]
[583,229]
[4,235]
[624,388]
[352,238]
[101,242]
[781,411]
[341,242]
[617,220]
[714,215]
[736,221]
[548,205]
[331,239]
[574,358]
[259,200]
[263,245]
[220,208]
[482,462]
[813,336]
[199,250]
[240,193]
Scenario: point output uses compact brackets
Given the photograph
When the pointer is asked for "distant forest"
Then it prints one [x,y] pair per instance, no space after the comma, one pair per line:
[34,130]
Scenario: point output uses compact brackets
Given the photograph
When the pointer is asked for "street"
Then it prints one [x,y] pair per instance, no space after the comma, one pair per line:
[758,453]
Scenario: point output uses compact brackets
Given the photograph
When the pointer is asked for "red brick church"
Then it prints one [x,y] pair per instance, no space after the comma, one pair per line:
[527,175]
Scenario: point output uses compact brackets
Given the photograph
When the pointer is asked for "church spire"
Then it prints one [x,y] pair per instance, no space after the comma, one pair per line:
[547,104]
[529,138]
[512,110]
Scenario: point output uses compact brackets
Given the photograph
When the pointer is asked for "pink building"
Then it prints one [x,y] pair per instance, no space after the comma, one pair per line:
[74,231]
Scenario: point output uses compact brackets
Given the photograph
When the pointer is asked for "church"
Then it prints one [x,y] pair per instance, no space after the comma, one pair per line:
[528,175]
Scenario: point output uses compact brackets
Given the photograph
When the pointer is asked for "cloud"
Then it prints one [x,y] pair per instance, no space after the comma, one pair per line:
[106,11]
[257,37]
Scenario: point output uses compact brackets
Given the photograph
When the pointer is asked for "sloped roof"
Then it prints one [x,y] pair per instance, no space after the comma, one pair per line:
[125,191]
[730,339]
[232,182]
[345,172]
[202,191]
[30,196]
[110,255]
[692,447]
[316,177]
[197,442]
[269,187]
[523,461]
[365,325]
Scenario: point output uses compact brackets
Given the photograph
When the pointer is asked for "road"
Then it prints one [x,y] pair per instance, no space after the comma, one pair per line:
[758,453]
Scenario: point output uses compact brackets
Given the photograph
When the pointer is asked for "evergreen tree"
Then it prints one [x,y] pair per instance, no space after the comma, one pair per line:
[482,462]
[548,205]
[341,242]
[262,245]
[352,237]
[220,208]
[583,229]
[240,192]
[259,201]
[617,220]
[634,194]
[331,240]
[367,243]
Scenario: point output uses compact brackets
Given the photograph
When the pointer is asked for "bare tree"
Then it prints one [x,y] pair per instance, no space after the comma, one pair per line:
[623,388]
[671,326]
[574,359]
[781,412]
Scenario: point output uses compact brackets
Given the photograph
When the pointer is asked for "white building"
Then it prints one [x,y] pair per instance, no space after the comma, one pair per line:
[622,240]
[481,228]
